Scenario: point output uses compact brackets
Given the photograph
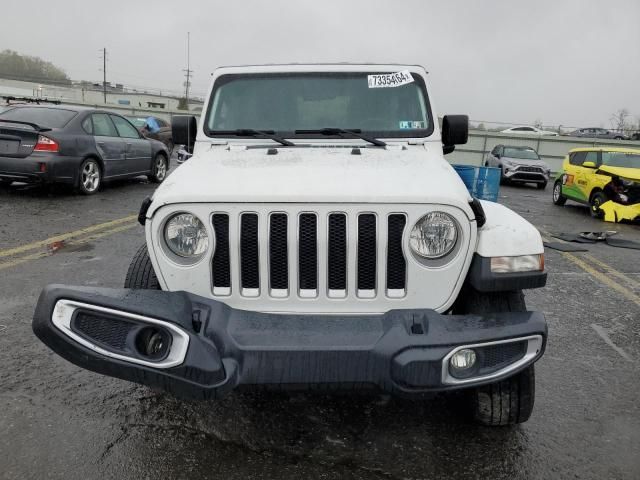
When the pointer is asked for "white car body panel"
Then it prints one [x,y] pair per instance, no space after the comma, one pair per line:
[409,176]
[428,286]
[506,234]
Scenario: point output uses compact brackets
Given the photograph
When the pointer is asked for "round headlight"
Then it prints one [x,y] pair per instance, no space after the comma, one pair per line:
[434,235]
[186,235]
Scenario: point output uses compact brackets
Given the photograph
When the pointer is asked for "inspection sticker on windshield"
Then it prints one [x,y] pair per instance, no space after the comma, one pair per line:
[387,80]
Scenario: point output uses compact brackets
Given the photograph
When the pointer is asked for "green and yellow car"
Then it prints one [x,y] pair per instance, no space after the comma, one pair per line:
[606,179]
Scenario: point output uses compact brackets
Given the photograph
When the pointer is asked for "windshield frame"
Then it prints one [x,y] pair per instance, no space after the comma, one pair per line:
[229,77]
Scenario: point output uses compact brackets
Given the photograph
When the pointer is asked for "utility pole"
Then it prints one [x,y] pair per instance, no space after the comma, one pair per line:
[104,74]
[188,72]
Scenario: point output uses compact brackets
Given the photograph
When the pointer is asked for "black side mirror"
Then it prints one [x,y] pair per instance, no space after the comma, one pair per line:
[497,155]
[183,130]
[455,131]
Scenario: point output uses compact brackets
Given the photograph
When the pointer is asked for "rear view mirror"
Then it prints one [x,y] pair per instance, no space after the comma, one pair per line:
[183,130]
[589,165]
[455,130]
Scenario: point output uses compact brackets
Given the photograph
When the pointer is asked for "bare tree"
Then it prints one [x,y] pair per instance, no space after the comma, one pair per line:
[619,120]
[538,124]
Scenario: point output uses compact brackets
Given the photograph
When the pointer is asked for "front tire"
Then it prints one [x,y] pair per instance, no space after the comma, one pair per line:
[597,199]
[508,401]
[159,169]
[558,198]
[141,274]
[90,177]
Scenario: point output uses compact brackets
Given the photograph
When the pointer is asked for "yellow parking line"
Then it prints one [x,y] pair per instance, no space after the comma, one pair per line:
[611,270]
[597,274]
[75,242]
[65,236]
[602,277]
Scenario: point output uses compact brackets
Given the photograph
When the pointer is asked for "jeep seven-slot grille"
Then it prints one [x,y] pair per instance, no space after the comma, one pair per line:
[320,243]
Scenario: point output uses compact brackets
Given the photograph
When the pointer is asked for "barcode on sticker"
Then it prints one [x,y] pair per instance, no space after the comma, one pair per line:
[387,80]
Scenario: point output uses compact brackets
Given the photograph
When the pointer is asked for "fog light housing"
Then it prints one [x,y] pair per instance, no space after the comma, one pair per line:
[462,363]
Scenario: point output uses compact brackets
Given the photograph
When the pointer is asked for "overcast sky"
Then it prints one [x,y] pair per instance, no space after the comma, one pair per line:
[570,62]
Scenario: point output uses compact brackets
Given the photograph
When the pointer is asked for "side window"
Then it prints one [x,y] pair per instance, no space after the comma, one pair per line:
[577,158]
[500,150]
[591,157]
[125,129]
[87,125]
[495,150]
[102,126]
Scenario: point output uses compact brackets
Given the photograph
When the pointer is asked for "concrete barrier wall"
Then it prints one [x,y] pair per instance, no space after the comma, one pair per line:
[551,149]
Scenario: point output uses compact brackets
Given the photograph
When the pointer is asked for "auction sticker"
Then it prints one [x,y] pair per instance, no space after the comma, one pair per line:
[387,80]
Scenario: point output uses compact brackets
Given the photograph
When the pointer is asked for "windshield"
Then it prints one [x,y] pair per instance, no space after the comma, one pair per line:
[620,159]
[524,153]
[137,121]
[44,117]
[313,101]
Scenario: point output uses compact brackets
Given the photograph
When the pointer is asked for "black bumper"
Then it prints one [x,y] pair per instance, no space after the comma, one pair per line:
[401,352]
[59,169]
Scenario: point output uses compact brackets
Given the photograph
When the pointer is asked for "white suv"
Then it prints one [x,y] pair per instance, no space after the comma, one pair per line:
[318,239]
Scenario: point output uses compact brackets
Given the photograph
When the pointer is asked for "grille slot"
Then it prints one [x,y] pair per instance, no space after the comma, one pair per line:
[495,357]
[396,263]
[366,278]
[221,269]
[109,332]
[308,254]
[278,255]
[337,254]
[249,256]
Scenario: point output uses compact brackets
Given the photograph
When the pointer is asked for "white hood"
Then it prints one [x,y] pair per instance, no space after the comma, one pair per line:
[320,174]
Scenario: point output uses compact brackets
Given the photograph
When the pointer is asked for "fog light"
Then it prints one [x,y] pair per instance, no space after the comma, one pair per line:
[463,359]
[153,343]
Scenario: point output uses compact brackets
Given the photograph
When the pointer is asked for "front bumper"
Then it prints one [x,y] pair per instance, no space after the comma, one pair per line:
[516,174]
[211,348]
[615,212]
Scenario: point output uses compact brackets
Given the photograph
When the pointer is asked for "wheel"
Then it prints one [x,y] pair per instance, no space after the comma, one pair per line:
[140,274]
[90,177]
[618,138]
[159,169]
[541,186]
[597,199]
[558,198]
[508,401]
[503,179]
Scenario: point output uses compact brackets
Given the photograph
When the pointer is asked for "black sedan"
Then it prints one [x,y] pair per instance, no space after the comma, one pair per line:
[75,145]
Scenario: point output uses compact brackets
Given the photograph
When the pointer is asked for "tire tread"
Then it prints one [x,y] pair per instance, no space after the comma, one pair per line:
[140,274]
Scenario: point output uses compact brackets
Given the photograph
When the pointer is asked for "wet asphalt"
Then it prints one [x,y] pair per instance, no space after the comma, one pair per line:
[61,422]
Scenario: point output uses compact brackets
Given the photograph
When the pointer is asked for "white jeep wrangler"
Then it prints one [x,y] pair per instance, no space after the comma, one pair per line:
[318,240]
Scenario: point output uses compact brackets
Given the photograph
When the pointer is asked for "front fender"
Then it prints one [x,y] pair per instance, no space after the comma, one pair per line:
[506,234]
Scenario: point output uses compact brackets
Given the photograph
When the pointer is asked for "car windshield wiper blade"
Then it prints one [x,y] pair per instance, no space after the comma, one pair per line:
[250,132]
[356,132]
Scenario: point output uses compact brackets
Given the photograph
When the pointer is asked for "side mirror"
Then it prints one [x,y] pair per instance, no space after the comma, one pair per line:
[455,130]
[183,130]
[589,164]
[497,155]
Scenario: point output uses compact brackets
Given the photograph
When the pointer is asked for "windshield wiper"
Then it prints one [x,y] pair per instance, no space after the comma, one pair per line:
[250,132]
[356,132]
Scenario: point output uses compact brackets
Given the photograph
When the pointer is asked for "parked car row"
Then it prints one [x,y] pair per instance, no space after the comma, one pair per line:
[591,132]
[79,146]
